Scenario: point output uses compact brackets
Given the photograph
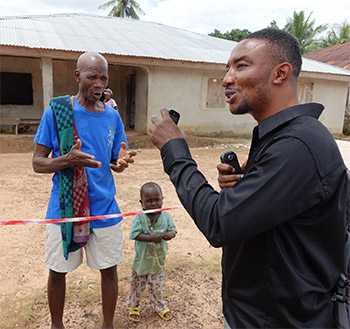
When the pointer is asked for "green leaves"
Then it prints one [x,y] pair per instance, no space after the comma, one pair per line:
[303,28]
[123,8]
[234,34]
[339,34]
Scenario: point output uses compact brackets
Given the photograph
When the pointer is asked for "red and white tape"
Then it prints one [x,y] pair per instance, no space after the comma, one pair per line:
[80,219]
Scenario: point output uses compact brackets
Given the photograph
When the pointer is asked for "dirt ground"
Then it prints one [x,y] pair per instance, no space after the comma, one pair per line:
[193,285]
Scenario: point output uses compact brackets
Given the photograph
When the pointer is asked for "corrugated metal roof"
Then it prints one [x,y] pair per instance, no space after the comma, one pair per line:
[120,36]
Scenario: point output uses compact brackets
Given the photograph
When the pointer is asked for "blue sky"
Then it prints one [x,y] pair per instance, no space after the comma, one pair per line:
[197,15]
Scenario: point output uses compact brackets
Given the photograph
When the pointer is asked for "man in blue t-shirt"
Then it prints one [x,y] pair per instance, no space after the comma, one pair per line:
[101,147]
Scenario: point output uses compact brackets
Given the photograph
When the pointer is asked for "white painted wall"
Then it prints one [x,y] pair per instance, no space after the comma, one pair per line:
[187,89]
[332,94]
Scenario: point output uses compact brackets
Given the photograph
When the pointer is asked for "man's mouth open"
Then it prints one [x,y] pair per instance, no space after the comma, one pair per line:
[230,96]
[98,94]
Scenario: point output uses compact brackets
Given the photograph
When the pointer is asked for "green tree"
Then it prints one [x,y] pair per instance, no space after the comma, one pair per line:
[304,29]
[339,34]
[123,8]
[234,34]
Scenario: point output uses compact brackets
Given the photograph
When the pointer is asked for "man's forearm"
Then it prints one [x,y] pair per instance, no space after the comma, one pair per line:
[45,165]
[195,194]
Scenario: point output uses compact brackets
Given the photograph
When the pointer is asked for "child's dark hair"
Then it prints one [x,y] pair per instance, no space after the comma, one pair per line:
[284,46]
[150,186]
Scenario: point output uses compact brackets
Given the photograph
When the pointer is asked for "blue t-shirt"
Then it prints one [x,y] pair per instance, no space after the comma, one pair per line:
[101,134]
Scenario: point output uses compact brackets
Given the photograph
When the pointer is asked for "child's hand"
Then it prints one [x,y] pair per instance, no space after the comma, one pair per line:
[156,237]
[168,235]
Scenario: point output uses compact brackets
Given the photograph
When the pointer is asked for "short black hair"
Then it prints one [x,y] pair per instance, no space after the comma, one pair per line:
[150,186]
[284,46]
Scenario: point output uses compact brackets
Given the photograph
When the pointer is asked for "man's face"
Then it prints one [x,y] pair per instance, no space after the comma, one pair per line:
[247,78]
[92,80]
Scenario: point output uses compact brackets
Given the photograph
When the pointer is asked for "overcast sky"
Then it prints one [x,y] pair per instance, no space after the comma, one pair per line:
[201,16]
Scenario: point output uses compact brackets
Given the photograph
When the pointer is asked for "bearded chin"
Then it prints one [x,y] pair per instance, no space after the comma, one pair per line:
[243,108]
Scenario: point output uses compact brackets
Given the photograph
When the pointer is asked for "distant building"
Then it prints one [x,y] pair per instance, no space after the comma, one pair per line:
[151,66]
[338,55]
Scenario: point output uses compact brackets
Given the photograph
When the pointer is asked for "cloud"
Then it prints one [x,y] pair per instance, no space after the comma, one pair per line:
[201,16]
[206,15]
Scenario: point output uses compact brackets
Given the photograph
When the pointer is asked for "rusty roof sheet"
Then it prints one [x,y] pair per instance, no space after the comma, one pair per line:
[338,55]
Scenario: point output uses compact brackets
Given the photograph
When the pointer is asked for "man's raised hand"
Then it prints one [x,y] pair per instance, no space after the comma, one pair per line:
[164,129]
[125,157]
[76,158]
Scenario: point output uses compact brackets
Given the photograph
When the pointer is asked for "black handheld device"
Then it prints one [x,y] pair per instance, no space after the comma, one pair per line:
[175,116]
[231,159]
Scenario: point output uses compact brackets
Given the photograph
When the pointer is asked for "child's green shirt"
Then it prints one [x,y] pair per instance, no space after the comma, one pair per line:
[150,256]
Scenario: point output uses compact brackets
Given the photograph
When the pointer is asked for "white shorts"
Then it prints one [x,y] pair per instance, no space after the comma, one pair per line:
[103,250]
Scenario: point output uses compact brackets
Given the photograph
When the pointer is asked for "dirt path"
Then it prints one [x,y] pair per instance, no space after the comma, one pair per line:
[193,267]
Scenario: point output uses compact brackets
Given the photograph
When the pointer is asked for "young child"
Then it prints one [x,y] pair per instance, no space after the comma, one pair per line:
[108,100]
[150,233]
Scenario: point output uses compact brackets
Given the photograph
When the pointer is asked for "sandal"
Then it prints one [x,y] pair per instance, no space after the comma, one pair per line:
[134,314]
[165,314]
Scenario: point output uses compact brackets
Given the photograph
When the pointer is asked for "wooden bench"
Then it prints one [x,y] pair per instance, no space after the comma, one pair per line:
[8,121]
[17,122]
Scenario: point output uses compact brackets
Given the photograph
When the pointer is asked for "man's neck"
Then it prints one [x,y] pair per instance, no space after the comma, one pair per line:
[276,105]
[91,106]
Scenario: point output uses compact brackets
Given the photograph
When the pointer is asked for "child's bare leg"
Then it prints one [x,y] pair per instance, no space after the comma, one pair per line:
[109,287]
[56,291]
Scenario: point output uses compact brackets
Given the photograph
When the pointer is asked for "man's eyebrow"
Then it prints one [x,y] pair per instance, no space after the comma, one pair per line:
[236,60]
[241,58]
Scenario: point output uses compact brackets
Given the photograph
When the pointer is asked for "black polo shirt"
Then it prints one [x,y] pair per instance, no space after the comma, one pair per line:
[281,227]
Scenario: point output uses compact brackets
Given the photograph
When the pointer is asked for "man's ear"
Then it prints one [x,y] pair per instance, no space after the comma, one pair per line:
[77,76]
[282,73]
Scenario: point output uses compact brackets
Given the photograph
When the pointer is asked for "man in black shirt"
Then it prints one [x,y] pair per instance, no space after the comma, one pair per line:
[281,226]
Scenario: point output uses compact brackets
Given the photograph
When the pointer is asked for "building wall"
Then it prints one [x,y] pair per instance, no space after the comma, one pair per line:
[141,98]
[63,78]
[332,94]
[187,91]
[157,87]
[64,83]
[24,65]
[118,76]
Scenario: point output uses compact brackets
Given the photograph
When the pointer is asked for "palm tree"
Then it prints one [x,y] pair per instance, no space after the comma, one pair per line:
[303,28]
[338,35]
[123,8]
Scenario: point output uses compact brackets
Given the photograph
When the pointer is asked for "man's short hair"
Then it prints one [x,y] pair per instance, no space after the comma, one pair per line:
[284,46]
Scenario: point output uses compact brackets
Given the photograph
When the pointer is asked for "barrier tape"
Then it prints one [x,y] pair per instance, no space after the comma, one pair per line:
[81,219]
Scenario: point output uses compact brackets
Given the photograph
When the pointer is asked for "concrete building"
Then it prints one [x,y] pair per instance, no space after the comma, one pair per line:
[338,55]
[151,66]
